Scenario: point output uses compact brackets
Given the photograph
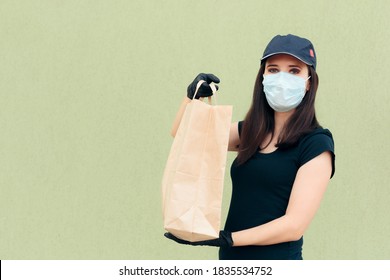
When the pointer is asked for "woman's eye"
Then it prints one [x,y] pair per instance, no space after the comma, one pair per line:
[273,70]
[294,71]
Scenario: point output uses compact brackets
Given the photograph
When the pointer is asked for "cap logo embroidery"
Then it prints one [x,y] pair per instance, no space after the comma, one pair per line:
[311,53]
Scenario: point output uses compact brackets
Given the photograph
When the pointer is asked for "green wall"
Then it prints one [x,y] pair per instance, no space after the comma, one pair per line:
[89,90]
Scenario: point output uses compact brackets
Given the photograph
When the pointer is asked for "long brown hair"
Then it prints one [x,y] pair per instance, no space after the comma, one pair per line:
[259,121]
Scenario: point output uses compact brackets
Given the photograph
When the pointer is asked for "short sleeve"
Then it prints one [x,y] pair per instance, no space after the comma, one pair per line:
[314,144]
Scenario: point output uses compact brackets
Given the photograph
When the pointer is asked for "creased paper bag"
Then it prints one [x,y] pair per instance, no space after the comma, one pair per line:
[192,184]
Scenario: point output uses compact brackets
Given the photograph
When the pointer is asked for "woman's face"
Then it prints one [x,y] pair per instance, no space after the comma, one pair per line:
[289,64]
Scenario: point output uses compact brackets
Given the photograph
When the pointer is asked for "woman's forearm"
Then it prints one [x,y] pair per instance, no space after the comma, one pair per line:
[279,230]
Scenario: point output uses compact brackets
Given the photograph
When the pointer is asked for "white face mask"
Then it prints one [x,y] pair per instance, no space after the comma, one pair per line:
[284,91]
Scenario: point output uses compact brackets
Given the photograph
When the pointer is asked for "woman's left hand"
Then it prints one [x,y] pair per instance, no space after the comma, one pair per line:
[224,240]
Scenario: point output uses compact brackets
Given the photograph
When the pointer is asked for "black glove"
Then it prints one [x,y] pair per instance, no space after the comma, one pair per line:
[224,240]
[204,89]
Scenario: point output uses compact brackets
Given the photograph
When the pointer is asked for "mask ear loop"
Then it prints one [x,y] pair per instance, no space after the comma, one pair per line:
[307,90]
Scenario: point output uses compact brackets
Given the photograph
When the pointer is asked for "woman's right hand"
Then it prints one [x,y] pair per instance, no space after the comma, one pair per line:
[204,89]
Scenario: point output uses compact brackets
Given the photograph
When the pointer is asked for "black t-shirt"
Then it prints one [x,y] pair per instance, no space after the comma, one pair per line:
[261,191]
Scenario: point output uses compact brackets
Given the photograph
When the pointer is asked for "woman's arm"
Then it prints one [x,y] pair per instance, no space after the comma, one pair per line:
[306,195]
[234,138]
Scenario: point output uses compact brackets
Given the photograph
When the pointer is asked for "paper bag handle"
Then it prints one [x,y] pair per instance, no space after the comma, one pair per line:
[213,89]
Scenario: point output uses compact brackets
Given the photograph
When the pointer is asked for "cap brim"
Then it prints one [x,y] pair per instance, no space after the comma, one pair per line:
[264,57]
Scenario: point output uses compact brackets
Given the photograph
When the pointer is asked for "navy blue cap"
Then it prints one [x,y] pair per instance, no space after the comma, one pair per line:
[298,47]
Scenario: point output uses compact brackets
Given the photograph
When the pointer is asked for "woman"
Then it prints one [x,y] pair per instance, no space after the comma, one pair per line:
[285,158]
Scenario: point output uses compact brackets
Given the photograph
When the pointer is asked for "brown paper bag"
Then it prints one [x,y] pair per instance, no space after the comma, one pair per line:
[193,179]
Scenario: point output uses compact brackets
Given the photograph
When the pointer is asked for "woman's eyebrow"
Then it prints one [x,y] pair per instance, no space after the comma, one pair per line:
[272,65]
[295,66]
